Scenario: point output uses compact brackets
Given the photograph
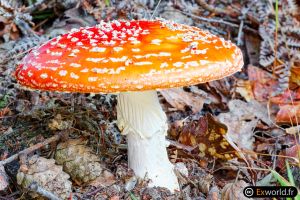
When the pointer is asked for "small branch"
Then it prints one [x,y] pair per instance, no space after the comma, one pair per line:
[211,20]
[239,40]
[93,193]
[212,9]
[35,6]
[31,149]
[244,13]
[229,12]
[45,193]
[180,146]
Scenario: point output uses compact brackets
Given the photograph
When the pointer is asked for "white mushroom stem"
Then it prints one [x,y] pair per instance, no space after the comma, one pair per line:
[141,118]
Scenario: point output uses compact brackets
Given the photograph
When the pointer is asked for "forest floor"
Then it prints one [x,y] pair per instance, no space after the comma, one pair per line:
[256,111]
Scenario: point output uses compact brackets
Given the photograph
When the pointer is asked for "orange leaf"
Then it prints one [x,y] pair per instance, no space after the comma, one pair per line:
[4,111]
[295,75]
[288,114]
[263,84]
[287,97]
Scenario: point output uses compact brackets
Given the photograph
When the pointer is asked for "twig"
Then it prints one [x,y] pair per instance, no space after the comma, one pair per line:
[239,41]
[94,192]
[211,20]
[180,146]
[212,9]
[155,9]
[243,17]
[40,190]
[35,6]
[220,11]
[31,149]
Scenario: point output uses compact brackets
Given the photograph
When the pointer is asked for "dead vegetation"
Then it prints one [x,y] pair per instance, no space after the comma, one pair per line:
[224,135]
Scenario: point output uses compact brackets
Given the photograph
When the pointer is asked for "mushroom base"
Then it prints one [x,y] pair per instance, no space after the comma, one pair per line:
[142,119]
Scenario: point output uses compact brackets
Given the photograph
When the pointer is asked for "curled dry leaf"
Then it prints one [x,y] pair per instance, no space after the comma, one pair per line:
[179,99]
[48,175]
[234,191]
[222,88]
[241,121]
[207,136]
[82,164]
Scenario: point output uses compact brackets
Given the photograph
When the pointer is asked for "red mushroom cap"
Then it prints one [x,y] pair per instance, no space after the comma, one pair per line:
[129,56]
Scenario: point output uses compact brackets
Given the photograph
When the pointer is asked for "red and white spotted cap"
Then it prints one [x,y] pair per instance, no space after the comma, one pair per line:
[129,56]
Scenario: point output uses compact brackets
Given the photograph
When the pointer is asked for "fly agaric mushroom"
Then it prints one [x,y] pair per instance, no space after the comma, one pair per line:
[133,59]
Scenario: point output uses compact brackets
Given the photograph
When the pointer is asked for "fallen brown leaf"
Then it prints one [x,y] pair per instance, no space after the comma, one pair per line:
[179,99]
[234,191]
[207,136]
[295,75]
[241,121]
[222,87]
